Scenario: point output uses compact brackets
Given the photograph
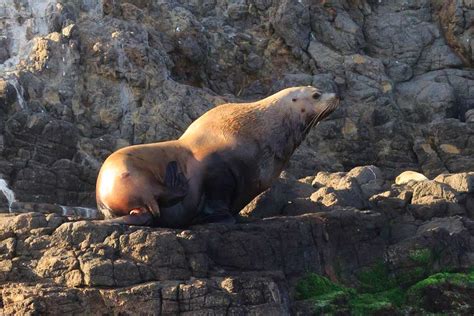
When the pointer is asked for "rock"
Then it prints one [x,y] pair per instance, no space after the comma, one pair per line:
[454,27]
[435,189]
[45,208]
[370,179]
[163,66]
[470,206]
[286,196]
[431,163]
[348,189]
[324,57]
[99,265]
[323,179]
[7,94]
[92,254]
[346,192]
[394,199]
[69,31]
[291,21]
[97,76]
[444,292]
[469,116]
[366,174]
[4,53]
[426,251]
[246,295]
[408,176]
[432,199]
[461,182]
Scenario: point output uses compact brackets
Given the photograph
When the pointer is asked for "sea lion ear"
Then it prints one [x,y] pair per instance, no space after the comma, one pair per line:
[175,180]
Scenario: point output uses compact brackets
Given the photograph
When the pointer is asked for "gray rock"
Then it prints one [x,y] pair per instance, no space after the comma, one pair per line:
[4,53]
[426,101]
[347,192]
[434,199]
[138,72]
[286,196]
[128,73]
[7,94]
[325,58]
[394,199]
[291,21]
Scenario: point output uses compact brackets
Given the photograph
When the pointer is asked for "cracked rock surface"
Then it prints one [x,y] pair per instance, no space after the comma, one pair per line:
[99,75]
[81,79]
[57,264]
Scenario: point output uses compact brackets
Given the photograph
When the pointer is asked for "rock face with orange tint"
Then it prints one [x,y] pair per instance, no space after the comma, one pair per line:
[51,263]
[80,79]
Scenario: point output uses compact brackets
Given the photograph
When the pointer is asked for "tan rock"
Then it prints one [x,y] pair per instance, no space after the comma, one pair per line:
[408,176]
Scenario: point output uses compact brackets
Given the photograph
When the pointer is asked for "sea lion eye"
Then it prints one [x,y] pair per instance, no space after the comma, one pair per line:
[294,99]
[316,95]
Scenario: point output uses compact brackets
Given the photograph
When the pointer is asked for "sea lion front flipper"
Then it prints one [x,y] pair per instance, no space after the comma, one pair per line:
[175,181]
[214,211]
[177,187]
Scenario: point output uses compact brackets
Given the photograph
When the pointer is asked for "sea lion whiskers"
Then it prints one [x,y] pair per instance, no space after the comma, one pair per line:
[330,107]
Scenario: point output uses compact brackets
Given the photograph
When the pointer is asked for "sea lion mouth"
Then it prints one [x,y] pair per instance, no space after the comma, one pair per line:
[331,105]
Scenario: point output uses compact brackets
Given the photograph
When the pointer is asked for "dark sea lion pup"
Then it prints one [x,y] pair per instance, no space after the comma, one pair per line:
[223,160]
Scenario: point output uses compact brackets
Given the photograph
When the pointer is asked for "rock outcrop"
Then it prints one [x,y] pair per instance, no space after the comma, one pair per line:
[80,79]
[84,78]
[61,264]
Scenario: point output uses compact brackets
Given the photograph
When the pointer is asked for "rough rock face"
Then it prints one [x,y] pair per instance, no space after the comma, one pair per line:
[80,79]
[61,264]
[84,78]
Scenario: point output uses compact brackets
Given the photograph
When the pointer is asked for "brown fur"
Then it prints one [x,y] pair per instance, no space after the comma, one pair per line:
[231,153]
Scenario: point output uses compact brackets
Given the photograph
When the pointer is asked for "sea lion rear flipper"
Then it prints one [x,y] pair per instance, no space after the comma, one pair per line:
[142,219]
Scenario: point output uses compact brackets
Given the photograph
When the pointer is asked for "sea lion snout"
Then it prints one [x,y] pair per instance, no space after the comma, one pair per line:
[329,96]
[327,103]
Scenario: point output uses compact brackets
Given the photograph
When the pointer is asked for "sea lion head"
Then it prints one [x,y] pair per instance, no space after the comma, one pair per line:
[310,103]
[125,195]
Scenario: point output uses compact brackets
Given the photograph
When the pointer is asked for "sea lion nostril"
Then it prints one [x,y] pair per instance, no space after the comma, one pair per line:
[316,95]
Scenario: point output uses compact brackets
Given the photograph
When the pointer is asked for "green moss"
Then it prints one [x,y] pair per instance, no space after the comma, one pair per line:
[314,285]
[423,260]
[379,292]
[461,279]
[422,257]
[329,303]
[368,303]
[412,276]
[376,278]
[328,296]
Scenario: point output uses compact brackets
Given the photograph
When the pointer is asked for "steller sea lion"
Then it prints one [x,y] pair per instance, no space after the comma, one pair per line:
[223,160]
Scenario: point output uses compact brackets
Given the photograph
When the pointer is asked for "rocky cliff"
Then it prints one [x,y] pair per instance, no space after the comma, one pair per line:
[80,79]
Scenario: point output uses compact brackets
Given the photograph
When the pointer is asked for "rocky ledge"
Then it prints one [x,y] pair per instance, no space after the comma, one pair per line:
[63,264]
[80,79]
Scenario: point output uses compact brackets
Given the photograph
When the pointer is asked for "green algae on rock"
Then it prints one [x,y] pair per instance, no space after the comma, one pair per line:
[440,292]
[444,292]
